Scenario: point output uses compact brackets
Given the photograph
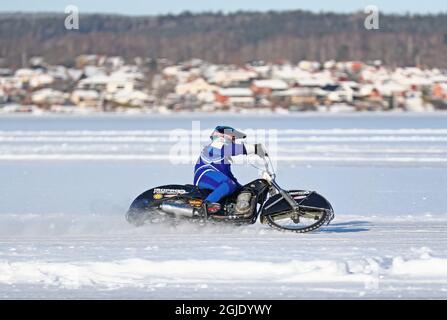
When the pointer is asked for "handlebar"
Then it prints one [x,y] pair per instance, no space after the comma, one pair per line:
[268,166]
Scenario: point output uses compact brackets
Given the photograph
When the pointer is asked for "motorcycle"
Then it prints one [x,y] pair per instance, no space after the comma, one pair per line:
[297,211]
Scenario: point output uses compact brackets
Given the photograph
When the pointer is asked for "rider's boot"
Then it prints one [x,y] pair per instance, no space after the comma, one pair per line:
[211,208]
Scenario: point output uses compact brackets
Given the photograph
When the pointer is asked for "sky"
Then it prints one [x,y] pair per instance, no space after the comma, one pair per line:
[151,7]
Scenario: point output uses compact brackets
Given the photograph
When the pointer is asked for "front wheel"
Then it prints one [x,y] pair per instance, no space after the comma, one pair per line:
[314,211]
[303,222]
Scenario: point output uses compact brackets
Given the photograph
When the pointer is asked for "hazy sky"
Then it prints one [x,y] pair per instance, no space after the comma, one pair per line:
[151,7]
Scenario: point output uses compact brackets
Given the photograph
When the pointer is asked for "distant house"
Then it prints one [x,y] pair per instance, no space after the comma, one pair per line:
[439,91]
[86,98]
[414,101]
[240,97]
[89,60]
[133,98]
[350,66]
[24,75]
[37,63]
[296,98]
[311,66]
[171,71]
[17,108]
[93,71]
[316,80]
[109,84]
[439,95]
[96,83]
[268,86]
[195,87]
[232,77]
[343,93]
[48,97]
[6,72]
[116,84]
[41,80]
[114,62]
[59,73]
[10,82]
[389,88]
[3,97]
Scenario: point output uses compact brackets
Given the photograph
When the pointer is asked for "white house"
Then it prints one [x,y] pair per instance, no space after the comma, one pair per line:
[109,84]
[270,84]
[41,80]
[231,77]
[195,87]
[97,83]
[48,96]
[242,97]
[133,98]
[85,98]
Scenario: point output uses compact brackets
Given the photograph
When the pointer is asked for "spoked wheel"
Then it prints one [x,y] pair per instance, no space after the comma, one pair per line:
[309,219]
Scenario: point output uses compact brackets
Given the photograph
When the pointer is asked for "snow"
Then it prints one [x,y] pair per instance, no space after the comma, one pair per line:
[63,232]
[368,257]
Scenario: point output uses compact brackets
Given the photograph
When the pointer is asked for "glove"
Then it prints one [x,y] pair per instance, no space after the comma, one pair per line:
[260,150]
[257,149]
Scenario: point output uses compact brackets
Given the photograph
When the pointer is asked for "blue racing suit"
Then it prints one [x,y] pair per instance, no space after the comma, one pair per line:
[213,169]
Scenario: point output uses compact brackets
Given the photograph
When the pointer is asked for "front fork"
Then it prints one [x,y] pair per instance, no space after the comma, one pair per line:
[295,206]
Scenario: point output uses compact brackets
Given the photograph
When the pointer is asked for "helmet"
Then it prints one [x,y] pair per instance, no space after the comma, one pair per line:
[227,133]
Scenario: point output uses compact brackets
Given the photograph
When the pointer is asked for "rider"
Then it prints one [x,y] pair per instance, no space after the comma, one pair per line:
[213,168]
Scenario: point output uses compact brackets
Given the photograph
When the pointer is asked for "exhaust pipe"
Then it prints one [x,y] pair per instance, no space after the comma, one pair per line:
[178,209]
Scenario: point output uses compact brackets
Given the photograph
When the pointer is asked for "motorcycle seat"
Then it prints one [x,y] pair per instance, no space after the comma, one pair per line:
[196,192]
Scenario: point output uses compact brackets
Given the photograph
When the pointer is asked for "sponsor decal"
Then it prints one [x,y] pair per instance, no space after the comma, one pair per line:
[300,193]
[158,196]
[195,202]
[169,191]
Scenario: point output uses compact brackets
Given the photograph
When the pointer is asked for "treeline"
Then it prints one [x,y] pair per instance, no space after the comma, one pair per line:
[229,38]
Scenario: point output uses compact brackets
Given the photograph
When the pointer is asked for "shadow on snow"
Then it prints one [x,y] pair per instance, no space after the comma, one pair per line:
[347,227]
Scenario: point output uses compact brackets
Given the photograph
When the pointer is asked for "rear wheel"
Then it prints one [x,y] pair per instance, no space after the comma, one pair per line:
[139,217]
[145,211]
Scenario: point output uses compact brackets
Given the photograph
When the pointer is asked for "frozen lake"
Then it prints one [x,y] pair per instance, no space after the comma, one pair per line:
[65,183]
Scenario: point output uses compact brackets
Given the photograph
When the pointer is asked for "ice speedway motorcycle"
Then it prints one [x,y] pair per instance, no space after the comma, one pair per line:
[294,210]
